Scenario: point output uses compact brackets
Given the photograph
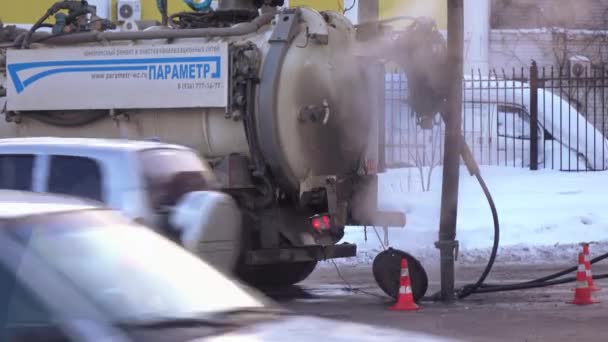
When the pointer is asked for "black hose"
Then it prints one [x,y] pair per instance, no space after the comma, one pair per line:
[569,270]
[470,289]
[549,277]
[75,9]
[473,168]
[26,41]
[525,286]
[479,286]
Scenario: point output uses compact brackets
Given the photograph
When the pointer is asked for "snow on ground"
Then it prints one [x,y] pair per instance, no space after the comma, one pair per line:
[543,215]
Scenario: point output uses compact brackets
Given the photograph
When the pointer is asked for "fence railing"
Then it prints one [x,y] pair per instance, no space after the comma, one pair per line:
[530,118]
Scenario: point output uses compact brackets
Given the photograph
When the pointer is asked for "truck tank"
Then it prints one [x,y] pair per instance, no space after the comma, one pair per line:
[309,118]
[289,126]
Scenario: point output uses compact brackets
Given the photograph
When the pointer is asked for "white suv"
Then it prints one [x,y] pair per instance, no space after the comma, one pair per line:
[166,187]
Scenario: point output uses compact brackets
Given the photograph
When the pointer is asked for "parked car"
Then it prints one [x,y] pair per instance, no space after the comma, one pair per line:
[71,270]
[166,187]
[496,126]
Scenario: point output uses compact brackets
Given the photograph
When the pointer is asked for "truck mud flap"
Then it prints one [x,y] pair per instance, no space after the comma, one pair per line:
[300,254]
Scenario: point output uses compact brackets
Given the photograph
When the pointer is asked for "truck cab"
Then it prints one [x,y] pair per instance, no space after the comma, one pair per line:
[166,187]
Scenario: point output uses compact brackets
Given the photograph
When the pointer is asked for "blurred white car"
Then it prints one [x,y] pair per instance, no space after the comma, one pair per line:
[73,271]
[167,187]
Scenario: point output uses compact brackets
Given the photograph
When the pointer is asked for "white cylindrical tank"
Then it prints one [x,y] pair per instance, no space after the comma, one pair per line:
[319,126]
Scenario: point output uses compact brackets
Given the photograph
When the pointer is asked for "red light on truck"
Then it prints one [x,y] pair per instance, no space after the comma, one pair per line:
[316,223]
[320,222]
[326,221]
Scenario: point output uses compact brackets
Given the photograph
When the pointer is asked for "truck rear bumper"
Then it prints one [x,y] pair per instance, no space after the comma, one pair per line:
[300,254]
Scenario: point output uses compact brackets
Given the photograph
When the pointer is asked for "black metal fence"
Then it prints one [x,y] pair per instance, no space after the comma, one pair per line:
[531,118]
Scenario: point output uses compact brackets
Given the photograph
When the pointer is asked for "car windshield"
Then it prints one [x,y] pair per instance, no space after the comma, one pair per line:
[129,271]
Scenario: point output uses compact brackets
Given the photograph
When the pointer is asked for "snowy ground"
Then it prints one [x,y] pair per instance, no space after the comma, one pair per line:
[544,215]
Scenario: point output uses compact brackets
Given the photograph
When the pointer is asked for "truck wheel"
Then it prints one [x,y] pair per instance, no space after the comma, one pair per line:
[387,267]
[277,275]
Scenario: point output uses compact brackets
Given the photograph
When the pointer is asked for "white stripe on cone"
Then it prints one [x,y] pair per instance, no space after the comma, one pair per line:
[581,284]
[581,268]
[405,290]
[405,272]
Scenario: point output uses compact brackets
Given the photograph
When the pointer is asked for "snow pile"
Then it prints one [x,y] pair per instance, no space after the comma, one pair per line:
[543,215]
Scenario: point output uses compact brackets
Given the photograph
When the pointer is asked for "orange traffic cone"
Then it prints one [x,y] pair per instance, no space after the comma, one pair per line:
[405,301]
[582,294]
[592,286]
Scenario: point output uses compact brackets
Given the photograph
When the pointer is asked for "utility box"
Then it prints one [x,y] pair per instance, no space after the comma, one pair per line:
[128,10]
[579,65]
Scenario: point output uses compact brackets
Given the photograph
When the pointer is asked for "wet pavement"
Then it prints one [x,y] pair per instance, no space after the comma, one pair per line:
[532,315]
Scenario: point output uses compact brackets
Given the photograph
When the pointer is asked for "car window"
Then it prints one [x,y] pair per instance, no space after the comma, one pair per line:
[171,173]
[76,176]
[22,316]
[16,171]
[514,122]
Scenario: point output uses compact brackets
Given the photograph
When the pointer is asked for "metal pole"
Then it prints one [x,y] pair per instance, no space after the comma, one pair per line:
[369,11]
[447,243]
[534,116]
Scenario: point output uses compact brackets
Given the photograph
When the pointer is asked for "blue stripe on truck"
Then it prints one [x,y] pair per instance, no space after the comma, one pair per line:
[146,64]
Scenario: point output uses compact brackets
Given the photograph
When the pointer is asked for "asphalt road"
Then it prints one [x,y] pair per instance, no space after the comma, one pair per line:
[530,315]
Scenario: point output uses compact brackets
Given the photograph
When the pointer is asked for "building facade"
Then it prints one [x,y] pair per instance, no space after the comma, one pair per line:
[498,33]
[16,12]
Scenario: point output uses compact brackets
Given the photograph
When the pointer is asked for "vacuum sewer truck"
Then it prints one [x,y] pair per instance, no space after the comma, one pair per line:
[273,98]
